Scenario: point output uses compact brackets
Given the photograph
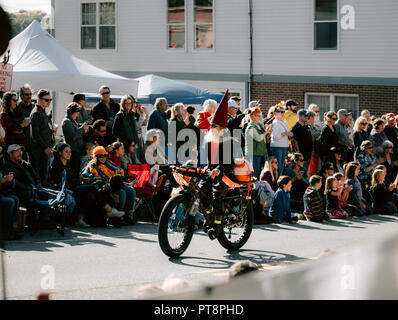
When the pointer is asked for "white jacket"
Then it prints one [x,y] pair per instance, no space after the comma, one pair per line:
[279,127]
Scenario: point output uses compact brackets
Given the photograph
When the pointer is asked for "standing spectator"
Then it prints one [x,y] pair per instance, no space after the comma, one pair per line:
[391,131]
[73,134]
[366,115]
[329,136]
[360,133]
[302,142]
[256,149]
[384,200]
[80,99]
[315,130]
[343,135]
[313,205]
[317,121]
[234,120]
[106,109]
[157,118]
[332,192]
[270,173]
[141,117]
[191,111]
[26,106]
[125,126]
[291,113]
[377,135]
[280,138]
[204,117]
[280,210]
[13,121]
[42,138]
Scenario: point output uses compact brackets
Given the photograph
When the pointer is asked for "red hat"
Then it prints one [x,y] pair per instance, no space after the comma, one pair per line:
[220,116]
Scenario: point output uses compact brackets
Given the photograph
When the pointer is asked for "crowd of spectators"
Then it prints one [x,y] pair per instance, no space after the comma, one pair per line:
[323,168]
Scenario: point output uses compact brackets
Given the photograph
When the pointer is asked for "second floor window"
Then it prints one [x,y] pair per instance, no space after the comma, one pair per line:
[98,25]
[176,24]
[203,23]
[325,25]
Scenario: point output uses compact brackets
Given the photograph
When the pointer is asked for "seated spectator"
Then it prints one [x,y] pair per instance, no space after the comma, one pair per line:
[327,170]
[335,158]
[9,205]
[360,133]
[343,197]
[368,161]
[24,177]
[384,200]
[280,210]
[333,192]
[298,173]
[96,134]
[270,173]
[313,206]
[355,198]
[13,121]
[129,156]
[88,155]
[377,135]
[389,160]
[83,195]
[116,153]
[99,171]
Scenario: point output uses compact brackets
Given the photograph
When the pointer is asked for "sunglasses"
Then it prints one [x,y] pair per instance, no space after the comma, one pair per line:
[102,155]
[47,100]
[301,160]
[27,94]
[333,118]
[389,147]
[364,123]
[279,111]
[102,131]
[330,168]
[103,93]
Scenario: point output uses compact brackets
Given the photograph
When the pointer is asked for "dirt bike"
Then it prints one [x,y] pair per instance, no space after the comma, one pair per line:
[177,220]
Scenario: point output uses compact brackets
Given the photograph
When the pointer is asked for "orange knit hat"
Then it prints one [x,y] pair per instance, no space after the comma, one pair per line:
[99,150]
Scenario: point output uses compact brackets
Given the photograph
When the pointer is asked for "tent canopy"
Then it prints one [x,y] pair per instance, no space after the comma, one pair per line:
[152,87]
[41,61]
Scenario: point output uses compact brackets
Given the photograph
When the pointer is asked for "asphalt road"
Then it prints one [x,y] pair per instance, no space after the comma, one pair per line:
[114,263]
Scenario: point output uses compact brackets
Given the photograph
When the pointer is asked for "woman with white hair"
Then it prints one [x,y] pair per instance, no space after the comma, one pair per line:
[390,160]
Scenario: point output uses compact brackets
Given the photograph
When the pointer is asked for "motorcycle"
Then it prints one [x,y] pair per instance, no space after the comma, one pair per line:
[177,220]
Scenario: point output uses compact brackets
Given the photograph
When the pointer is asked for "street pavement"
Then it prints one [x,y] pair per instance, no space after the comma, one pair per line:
[114,263]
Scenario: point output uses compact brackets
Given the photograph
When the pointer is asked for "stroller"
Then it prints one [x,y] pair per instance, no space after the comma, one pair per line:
[147,188]
[60,204]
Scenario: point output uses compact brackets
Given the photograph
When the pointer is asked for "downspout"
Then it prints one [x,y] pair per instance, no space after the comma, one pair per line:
[251,48]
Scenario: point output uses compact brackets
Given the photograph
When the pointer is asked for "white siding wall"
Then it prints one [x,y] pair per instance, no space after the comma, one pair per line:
[283,40]
[142,38]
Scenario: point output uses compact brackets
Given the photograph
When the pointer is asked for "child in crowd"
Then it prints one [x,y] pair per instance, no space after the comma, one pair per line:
[280,210]
[89,147]
[350,209]
[313,206]
[333,192]
[384,200]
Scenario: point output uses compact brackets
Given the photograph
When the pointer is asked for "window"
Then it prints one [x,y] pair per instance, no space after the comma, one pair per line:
[203,24]
[98,25]
[333,102]
[325,25]
[176,24]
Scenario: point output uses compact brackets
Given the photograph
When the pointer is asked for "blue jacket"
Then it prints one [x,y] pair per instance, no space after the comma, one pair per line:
[157,120]
[280,209]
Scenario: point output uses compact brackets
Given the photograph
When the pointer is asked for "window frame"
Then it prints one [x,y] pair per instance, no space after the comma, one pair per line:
[98,25]
[184,49]
[337,49]
[332,99]
[194,49]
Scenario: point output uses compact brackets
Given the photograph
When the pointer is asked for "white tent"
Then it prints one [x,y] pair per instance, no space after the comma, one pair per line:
[40,60]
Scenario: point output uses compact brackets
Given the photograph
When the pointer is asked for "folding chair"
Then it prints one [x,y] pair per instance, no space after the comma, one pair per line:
[145,190]
[58,201]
